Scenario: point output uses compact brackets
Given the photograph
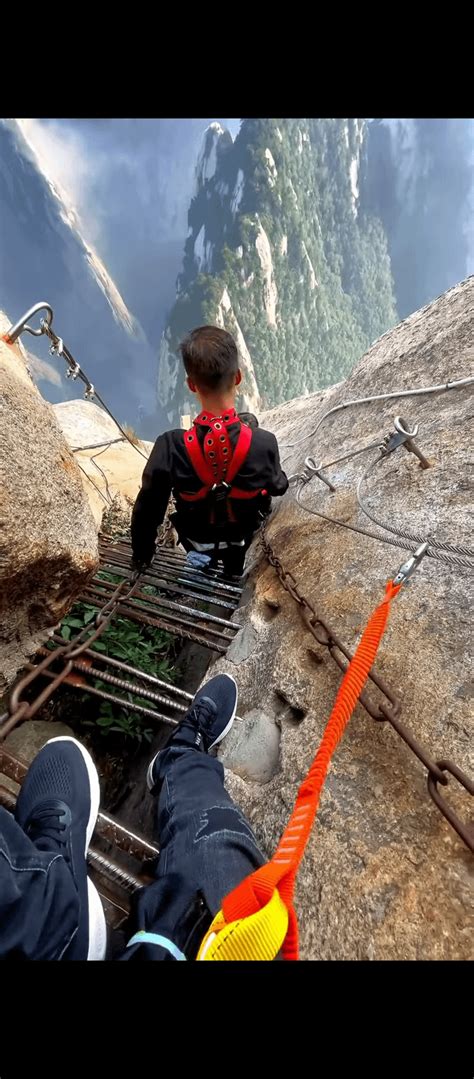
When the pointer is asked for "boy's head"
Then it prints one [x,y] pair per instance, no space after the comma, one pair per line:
[211,361]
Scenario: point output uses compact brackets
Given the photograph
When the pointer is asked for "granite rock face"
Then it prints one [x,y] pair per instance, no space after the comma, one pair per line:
[384,875]
[48,539]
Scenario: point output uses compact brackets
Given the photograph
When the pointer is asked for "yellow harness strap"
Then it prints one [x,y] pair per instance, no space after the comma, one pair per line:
[259,936]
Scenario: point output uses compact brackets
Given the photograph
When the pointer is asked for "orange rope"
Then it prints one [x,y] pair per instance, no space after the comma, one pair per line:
[256,890]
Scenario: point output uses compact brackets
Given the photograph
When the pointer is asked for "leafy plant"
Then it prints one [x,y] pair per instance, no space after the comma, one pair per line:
[113,719]
[150,650]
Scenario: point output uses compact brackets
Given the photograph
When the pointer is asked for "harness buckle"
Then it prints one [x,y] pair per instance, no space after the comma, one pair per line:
[219,491]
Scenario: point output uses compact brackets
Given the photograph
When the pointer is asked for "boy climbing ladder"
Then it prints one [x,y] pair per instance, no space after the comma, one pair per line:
[222,472]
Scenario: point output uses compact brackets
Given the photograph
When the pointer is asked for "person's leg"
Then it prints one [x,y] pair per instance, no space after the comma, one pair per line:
[233,558]
[183,540]
[39,906]
[48,907]
[206,845]
[203,833]
[199,555]
[230,553]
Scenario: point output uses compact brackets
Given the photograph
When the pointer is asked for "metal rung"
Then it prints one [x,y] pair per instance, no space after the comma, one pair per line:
[127,705]
[128,669]
[165,556]
[171,575]
[140,599]
[180,627]
[138,690]
[175,585]
[112,559]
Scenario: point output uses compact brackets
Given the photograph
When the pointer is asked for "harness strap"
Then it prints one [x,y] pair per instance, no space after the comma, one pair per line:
[198,461]
[257,892]
[240,453]
[262,933]
[211,465]
[234,492]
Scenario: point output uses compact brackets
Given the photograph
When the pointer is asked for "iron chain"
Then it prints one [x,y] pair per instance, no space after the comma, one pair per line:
[385,711]
[19,709]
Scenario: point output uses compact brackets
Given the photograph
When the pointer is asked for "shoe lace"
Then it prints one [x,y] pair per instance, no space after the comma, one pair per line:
[48,823]
[203,712]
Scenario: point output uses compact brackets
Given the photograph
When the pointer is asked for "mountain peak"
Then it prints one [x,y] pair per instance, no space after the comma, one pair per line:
[275,228]
[215,139]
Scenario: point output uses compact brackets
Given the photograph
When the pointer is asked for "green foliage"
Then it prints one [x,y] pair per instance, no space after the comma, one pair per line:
[116,720]
[145,647]
[329,255]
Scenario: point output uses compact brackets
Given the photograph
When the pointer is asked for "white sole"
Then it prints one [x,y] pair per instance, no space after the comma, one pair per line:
[93,784]
[149,775]
[97,923]
[231,720]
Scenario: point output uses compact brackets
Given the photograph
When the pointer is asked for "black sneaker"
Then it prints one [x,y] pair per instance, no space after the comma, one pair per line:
[210,718]
[57,807]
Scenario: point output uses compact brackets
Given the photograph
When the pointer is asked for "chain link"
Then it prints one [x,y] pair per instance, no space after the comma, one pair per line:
[19,709]
[387,710]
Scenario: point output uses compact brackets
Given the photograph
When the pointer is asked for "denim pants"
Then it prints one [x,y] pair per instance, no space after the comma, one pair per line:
[232,555]
[206,849]
[39,904]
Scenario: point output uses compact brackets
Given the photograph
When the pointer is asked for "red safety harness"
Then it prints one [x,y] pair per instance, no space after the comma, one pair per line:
[216,465]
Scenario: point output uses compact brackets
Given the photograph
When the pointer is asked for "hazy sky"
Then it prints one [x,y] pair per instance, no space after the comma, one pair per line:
[130,182]
[74,152]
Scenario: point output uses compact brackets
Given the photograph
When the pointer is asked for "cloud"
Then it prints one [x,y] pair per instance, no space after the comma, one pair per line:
[127,184]
[62,156]
[42,370]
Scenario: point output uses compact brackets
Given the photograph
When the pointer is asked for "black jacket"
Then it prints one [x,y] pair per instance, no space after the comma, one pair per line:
[169,470]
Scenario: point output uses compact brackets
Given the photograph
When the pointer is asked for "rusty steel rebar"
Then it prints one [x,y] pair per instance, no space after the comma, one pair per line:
[120,554]
[145,601]
[129,706]
[144,676]
[170,570]
[126,600]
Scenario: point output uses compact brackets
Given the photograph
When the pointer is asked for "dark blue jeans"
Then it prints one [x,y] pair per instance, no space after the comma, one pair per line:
[39,905]
[206,849]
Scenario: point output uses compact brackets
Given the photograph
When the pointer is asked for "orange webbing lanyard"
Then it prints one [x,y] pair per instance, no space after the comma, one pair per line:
[280,872]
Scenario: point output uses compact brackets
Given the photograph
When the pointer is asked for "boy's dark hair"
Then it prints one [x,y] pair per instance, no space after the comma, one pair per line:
[210,357]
